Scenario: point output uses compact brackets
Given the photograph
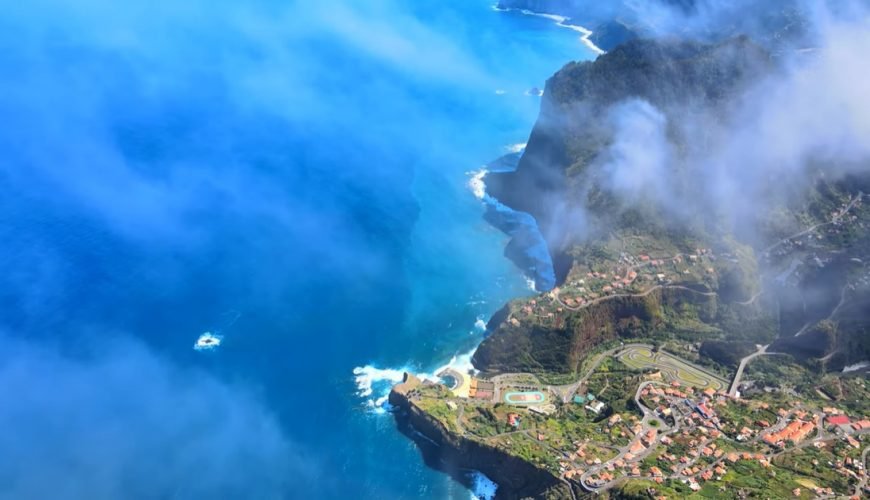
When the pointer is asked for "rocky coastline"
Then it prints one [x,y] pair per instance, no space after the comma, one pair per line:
[702,288]
[459,456]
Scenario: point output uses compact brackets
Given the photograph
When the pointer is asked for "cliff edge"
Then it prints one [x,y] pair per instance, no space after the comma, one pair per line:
[417,405]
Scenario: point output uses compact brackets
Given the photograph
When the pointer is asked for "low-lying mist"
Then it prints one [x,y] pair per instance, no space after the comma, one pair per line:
[789,119]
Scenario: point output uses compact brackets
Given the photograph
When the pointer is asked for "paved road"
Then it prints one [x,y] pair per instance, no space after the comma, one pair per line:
[743,362]
[648,416]
[752,299]
[834,219]
[863,482]
[635,295]
[834,312]
[821,435]
[567,390]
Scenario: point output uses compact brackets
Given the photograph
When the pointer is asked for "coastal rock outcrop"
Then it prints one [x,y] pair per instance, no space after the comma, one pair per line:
[458,456]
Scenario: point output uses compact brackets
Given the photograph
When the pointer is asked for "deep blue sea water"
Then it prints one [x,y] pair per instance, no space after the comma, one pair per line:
[291,176]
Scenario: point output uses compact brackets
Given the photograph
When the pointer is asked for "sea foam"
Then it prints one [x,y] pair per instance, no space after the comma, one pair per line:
[561,21]
[516,148]
[207,342]
[482,487]
[476,184]
[480,324]
[367,376]
[373,384]
[856,367]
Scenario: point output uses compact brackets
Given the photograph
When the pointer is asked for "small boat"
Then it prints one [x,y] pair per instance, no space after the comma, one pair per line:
[207,341]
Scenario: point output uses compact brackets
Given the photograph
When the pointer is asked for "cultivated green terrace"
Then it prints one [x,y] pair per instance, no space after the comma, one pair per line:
[629,285]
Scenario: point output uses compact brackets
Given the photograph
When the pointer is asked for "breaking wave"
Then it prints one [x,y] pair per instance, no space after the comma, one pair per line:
[857,366]
[516,148]
[373,384]
[480,324]
[562,21]
[476,184]
[482,487]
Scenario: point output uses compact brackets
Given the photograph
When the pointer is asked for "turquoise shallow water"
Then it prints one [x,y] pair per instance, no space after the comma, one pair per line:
[293,178]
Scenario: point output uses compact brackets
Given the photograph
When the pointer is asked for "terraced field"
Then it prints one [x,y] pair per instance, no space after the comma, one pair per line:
[672,368]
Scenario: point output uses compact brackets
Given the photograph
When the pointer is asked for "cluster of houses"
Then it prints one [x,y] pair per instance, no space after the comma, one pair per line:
[850,467]
[585,455]
[842,423]
[627,464]
[703,459]
[604,283]
[697,406]
[583,291]
[796,431]
[686,466]
[691,467]
[535,308]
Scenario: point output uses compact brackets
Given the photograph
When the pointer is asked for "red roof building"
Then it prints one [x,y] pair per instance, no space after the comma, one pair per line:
[837,420]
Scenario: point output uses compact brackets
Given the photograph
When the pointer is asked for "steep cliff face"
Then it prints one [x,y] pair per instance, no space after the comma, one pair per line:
[562,181]
[555,179]
[456,455]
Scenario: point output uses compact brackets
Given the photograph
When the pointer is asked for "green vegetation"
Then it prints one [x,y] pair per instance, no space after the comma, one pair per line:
[812,463]
[576,438]
[784,371]
[632,284]
[614,383]
[743,413]
[433,400]
[529,450]
[851,393]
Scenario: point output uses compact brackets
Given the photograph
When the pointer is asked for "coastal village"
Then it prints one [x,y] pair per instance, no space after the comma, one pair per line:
[620,274]
[644,418]
[647,420]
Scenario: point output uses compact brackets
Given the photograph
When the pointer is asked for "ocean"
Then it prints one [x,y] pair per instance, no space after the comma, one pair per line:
[301,181]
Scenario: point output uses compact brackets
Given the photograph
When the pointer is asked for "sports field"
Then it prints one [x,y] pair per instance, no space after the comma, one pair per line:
[525,398]
[672,368]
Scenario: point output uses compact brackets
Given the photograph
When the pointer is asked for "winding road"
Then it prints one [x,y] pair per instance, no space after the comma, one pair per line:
[834,312]
[810,229]
[642,294]
[566,391]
